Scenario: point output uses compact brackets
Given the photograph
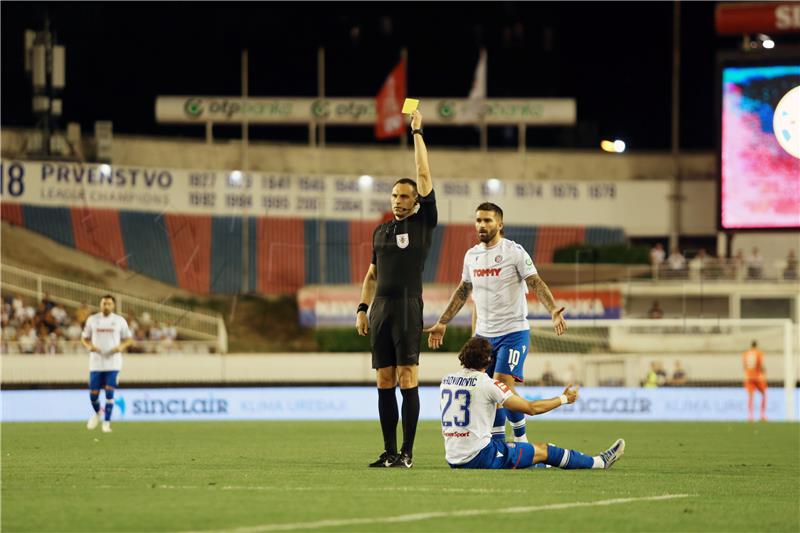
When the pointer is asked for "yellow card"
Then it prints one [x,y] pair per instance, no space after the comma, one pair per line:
[410,105]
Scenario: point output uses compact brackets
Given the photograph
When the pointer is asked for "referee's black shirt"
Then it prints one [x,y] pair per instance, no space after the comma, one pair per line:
[399,250]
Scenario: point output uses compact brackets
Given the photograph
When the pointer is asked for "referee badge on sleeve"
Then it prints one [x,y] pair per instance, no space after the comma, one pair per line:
[402,240]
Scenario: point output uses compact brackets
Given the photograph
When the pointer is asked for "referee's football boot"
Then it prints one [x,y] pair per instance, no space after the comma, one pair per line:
[384,461]
[612,455]
[403,460]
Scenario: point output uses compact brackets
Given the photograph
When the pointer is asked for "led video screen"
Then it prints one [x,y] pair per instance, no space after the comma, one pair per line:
[760,147]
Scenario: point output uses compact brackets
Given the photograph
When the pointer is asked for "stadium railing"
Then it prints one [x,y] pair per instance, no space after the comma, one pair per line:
[619,352]
[63,346]
[194,324]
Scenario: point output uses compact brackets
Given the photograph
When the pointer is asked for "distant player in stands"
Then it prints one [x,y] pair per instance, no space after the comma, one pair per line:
[468,399]
[106,335]
[500,272]
[754,379]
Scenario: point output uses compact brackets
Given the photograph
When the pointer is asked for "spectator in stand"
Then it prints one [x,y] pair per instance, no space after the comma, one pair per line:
[170,333]
[736,266]
[679,378]
[27,338]
[48,302]
[661,374]
[82,313]
[17,305]
[651,379]
[28,313]
[44,321]
[59,315]
[655,310]
[548,377]
[156,333]
[698,264]
[790,271]
[657,256]
[133,325]
[73,331]
[676,263]
[755,264]
[51,346]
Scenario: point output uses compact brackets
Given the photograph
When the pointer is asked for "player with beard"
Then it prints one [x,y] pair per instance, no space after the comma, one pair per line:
[498,273]
[106,335]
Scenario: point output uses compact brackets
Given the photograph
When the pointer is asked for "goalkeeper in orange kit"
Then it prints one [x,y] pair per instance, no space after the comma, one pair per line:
[754,379]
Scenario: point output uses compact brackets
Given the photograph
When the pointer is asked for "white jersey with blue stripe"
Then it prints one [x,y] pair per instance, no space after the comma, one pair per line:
[498,275]
[468,399]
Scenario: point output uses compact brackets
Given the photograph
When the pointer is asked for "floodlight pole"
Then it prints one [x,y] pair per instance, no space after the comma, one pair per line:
[676,196]
[404,58]
[245,171]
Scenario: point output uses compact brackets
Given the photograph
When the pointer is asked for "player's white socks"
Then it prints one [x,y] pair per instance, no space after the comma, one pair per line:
[523,438]
[598,462]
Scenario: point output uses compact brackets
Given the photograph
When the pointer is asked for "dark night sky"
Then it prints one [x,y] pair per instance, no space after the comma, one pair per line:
[614,58]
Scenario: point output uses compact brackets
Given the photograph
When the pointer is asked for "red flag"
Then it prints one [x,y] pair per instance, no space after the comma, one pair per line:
[389,104]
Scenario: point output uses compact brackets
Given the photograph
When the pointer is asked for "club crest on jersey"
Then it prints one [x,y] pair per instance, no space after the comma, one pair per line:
[498,258]
[402,240]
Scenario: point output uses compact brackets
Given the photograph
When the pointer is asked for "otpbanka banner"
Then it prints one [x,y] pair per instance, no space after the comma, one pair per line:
[334,197]
[335,305]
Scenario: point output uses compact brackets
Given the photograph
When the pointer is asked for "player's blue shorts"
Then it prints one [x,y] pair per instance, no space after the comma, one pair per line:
[99,380]
[508,354]
[498,455]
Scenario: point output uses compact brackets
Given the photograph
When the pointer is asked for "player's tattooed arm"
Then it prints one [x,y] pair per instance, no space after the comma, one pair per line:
[457,301]
[543,294]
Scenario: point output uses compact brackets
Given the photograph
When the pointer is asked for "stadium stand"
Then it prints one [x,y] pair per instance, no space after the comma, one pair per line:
[203,254]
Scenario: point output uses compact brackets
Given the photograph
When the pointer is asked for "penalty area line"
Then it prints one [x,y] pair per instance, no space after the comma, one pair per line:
[265,528]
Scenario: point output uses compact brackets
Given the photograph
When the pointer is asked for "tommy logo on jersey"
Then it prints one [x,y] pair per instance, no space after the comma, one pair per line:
[483,272]
[402,240]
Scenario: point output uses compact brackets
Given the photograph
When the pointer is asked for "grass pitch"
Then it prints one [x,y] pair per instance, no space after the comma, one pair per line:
[270,476]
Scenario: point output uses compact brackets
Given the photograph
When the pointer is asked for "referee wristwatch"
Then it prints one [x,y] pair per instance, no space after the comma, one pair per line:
[362,307]
[416,131]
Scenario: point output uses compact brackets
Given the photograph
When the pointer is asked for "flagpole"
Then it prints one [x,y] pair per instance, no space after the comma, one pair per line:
[485,94]
[321,91]
[404,58]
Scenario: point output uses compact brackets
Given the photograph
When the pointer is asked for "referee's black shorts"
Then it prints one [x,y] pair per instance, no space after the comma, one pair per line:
[395,326]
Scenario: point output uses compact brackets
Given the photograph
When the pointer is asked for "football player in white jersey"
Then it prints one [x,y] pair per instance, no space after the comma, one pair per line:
[498,273]
[467,403]
[106,335]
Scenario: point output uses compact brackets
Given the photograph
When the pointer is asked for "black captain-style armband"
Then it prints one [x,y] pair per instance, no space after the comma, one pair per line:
[362,307]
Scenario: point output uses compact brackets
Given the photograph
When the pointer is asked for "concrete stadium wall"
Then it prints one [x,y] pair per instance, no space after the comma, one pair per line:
[576,165]
[355,368]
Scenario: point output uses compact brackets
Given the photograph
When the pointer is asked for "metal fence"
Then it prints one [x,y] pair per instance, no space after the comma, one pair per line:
[192,324]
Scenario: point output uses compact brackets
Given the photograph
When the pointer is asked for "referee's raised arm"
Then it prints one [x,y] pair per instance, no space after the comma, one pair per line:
[424,182]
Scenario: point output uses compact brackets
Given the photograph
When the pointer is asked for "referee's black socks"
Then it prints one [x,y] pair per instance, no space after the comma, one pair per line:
[387,411]
[410,417]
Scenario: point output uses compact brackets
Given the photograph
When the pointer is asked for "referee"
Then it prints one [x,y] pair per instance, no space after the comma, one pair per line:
[393,285]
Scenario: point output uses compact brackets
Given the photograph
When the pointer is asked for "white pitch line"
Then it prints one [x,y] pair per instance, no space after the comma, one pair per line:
[437,514]
[338,489]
